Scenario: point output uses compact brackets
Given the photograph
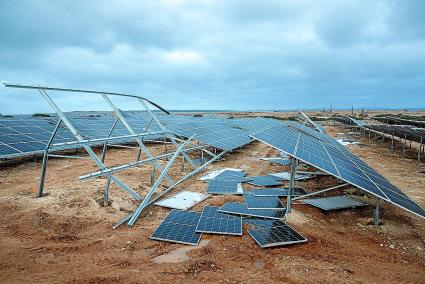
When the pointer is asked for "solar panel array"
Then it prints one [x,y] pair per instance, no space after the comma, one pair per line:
[337,161]
[270,233]
[180,227]
[213,221]
[29,135]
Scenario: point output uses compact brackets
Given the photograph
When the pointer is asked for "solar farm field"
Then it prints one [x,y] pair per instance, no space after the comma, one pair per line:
[66,236]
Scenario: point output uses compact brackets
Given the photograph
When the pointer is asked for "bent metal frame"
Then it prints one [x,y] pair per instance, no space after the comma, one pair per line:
[184,147]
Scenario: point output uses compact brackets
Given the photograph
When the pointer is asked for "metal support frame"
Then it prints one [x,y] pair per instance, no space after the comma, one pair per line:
[291,186]
[106,142]
[159,123]
[156,184]
[182,148]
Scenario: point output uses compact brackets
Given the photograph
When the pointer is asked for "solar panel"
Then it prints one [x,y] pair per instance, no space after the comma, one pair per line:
[180,227]
[334,202]
[213,221]
[271,233]
[338,162]
[265,180]
[183,200]
[217,186]
[262,202]
[242,209]
[298,191]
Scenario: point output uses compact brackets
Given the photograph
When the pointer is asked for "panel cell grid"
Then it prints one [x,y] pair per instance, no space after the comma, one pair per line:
[217,186]
[262,202]
[180,227]
[271,233]
[215,222]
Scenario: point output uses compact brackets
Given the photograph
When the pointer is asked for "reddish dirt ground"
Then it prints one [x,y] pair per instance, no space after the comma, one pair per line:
[66,236]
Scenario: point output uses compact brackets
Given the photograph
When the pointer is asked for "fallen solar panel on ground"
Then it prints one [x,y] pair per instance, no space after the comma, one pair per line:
[277,191]
[215,222]
[241,209]
[180,227]
[271,233]
[262,202]
[265,180]
[217,186]
[183,200]
[334,202]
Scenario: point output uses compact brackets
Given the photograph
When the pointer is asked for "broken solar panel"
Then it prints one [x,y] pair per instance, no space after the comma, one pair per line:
[183,200]
[265,180]
[334,202]
[213,221]
[262,202]
[232,175]
[217,186]
[271,233]
[337,161]
[298,191]
[242,209]
[180,227]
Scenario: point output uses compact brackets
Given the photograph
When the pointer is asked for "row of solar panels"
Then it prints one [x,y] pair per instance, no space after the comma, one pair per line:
[400,121]
[29,136]
[318,150]
[409,132]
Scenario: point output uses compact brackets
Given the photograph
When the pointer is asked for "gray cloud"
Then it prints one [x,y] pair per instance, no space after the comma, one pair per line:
[216,54]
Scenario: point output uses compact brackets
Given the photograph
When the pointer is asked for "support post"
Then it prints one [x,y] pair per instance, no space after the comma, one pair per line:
[106,192]
[376,213]
[420,149]
[45,158]
[106,142]
[291,185]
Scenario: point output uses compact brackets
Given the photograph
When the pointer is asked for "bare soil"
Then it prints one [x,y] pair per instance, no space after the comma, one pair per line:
[66,236]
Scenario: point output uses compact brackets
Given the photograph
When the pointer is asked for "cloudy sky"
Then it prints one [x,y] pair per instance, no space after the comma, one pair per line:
[239,55]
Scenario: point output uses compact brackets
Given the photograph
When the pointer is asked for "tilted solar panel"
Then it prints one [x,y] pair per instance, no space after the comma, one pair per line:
[336,161]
